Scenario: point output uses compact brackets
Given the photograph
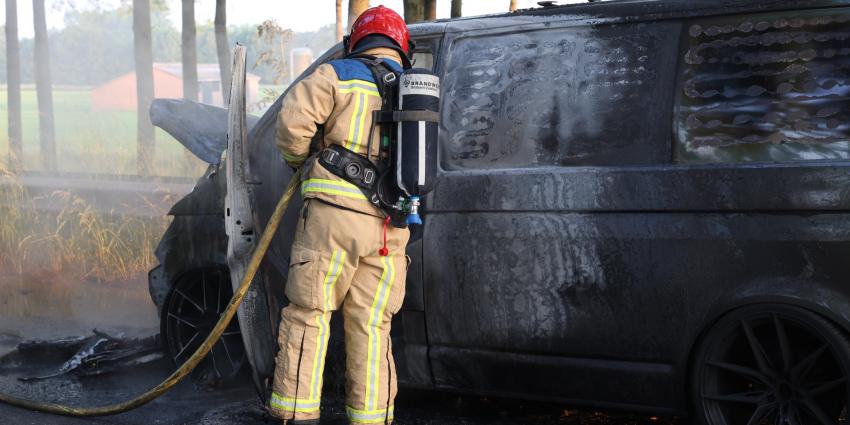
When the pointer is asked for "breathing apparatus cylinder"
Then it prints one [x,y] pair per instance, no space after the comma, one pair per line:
[416,151]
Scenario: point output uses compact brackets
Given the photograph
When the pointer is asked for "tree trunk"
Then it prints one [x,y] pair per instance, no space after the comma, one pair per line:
[355,8]
[44,89]
[513,6]
[13,82]
[143,52]
[223,48]
[189,51]
[457,8]
[430,10]
[414,11]
[339,25]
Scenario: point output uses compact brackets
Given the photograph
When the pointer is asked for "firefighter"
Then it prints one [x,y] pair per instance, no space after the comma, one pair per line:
[344,254]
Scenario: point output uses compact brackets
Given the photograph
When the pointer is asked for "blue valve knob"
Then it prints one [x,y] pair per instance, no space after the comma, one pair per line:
[413,217]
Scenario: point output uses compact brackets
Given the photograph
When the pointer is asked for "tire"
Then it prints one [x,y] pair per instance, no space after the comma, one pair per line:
[771,364]
[190,311]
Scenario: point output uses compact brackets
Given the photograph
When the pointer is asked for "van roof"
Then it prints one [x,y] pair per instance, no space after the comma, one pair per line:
[612,8]
[623,11]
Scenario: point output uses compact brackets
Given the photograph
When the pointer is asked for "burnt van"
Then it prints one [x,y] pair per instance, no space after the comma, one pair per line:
[641,205]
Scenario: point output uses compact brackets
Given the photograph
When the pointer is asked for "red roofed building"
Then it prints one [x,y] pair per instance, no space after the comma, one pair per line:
[120,94]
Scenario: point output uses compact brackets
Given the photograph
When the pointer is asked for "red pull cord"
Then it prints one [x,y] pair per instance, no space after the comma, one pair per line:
[384,251]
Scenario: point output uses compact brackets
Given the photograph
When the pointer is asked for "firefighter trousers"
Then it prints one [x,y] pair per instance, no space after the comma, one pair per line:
[335,263]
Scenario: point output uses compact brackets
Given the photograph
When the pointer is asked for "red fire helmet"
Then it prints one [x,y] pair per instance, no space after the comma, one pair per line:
[383,21]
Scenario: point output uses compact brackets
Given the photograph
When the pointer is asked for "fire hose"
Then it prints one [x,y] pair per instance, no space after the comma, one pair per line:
[201,352]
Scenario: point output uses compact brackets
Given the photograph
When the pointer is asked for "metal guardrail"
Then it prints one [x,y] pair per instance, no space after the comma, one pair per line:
[121,195]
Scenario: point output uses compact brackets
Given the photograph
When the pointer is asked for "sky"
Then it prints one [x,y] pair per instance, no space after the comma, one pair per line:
[298,15]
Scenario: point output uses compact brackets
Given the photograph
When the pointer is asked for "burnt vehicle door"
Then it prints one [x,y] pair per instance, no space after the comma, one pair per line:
[409,335]
[607,192]
[535,274]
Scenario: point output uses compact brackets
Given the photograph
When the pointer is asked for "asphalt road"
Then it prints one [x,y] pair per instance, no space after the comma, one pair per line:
[191,403]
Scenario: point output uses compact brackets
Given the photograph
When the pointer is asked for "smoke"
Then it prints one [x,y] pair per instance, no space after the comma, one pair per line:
[77,241]
[66,266]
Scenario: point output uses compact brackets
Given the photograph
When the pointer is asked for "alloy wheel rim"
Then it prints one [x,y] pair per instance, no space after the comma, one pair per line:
[194,308]
[774,369]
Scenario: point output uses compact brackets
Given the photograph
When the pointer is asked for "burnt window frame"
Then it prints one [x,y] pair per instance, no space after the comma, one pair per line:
[678,143]
[670,68]
[430,42]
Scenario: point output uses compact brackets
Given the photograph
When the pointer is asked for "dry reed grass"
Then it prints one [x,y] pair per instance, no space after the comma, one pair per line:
[77,241]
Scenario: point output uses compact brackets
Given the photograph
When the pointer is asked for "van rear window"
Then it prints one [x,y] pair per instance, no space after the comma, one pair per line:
[765,88]
[560,96]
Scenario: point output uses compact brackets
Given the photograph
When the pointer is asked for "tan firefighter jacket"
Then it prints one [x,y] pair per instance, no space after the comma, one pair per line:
[339,96]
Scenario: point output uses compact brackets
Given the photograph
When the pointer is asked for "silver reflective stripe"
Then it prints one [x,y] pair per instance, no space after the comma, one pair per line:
[400,152]
[421,153]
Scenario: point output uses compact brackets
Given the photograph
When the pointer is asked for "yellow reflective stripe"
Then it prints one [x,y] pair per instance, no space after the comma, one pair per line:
[340,183]
[359,109]
[373,359]
[292,405]
[332,277]
[363,90]
[293,158]
[332,187]
[361,124]
[323,323]
[360,90]
[360,86]
[369,416]
[333,192]
[356,81]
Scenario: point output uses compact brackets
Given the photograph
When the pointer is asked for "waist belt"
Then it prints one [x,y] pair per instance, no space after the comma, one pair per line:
[351,167]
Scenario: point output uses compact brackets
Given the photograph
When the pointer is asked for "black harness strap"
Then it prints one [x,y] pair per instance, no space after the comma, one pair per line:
[353,168]
[386,79]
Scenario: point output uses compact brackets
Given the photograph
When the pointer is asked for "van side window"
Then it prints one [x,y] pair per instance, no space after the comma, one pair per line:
[765,88]
[559,96]
[423,59]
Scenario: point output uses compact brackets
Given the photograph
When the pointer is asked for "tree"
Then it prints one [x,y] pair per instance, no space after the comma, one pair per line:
[96,45]
[457,8]
[13,82]
[339,26]
[430,10]
[189,50]
[414,11]
[274,51]
[222,46]
[355,8]
[43,87]
[513,6]
[143,55]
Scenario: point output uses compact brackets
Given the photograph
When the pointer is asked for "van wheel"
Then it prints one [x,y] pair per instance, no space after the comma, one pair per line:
[190,312]
[772,364]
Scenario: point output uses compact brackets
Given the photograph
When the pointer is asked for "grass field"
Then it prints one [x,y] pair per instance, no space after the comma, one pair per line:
[80,242]
[92,142]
